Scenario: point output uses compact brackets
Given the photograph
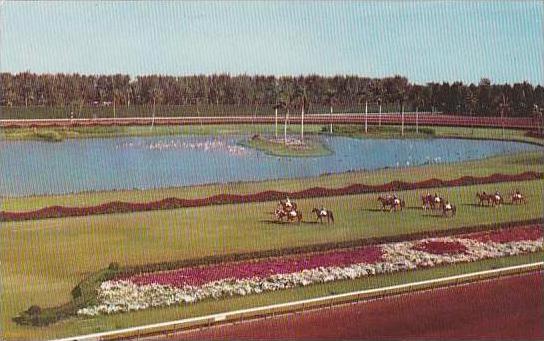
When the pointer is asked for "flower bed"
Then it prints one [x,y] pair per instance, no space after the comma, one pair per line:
[200,275]
[194,284]
[508,235]
[440,247]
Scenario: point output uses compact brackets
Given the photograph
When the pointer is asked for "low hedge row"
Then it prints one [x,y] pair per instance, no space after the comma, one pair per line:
[172,203]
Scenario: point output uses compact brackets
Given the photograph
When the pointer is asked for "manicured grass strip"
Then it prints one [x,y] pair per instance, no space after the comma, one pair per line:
[84,294]
[173,203]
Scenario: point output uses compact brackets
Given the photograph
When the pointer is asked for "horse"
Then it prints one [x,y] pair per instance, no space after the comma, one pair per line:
[431,201]
[392,202]
[496,200]
[427,201]
[483,197]
[323,213]
[518,198]
[288,205]
[290,215]
[447,207]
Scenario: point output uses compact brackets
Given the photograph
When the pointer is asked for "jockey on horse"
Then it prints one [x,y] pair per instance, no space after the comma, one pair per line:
[497,199]
[517,197]
[323,213]
[288,209]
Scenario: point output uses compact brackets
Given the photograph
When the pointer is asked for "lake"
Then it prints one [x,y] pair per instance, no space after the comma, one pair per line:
[36,167]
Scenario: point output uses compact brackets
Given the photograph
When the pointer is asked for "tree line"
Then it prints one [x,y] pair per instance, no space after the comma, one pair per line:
[61,90]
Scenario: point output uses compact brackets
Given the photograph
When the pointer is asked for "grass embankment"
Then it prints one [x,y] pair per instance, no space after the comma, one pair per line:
[356,131]
[393,131]
[508,164]
[128,131]
[311,146]
[385,131]
[71,249]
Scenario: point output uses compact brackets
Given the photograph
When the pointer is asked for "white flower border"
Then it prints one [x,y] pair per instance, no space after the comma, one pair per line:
[123,295]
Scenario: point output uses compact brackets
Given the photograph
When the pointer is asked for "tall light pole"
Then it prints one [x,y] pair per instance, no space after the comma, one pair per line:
[380,113]
[330,116]
[366,117]
[402,119]
[113,95]
[276,121]
[417,120]
[502,108]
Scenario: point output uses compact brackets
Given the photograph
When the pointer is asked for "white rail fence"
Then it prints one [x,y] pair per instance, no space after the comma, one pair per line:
[250,313]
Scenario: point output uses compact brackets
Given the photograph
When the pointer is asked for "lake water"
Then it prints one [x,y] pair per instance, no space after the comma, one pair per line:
[35,167]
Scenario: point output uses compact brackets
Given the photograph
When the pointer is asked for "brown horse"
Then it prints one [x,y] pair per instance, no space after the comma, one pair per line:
[431,201]
[518,198]
[321,213]
[288,205]
[290,215]
[446,208]
[496,200]
[392,202]
[483,197]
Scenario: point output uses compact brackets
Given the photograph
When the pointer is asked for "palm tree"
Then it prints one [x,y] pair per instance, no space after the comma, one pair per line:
[287,96]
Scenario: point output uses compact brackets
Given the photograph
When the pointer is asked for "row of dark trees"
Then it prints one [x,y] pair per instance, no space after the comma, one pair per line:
[485,98]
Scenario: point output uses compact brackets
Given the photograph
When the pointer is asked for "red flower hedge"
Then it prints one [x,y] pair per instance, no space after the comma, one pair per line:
[314,192]
[262,268]
[508,235]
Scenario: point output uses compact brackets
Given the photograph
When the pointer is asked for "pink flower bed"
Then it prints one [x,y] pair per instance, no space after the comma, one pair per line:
[196,276]
[508,235]
[441,247]
[200,275]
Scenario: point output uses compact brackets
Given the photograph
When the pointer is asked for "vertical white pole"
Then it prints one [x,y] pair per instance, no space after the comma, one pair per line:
[302,124]
[331,120]
[417,120]
[380,116]
[276,122]
[366,117]
[402,118]
[153,119]
[285,127]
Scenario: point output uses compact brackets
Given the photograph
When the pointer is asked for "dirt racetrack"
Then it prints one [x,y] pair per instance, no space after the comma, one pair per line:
[504,308]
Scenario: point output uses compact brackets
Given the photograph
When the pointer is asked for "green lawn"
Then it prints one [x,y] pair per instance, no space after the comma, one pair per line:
[72,248]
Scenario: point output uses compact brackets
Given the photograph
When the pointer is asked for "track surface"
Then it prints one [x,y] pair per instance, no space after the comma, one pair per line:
[390,118]
[505,308]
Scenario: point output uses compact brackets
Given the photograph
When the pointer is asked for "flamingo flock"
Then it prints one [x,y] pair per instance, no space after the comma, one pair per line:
[207,146]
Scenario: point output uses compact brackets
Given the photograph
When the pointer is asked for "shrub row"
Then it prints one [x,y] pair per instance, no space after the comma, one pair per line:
[172,203]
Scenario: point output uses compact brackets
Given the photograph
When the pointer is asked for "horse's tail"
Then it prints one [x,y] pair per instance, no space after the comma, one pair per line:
[332,216]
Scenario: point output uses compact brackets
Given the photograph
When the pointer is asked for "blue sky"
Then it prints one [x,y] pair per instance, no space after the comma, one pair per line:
[424,41]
